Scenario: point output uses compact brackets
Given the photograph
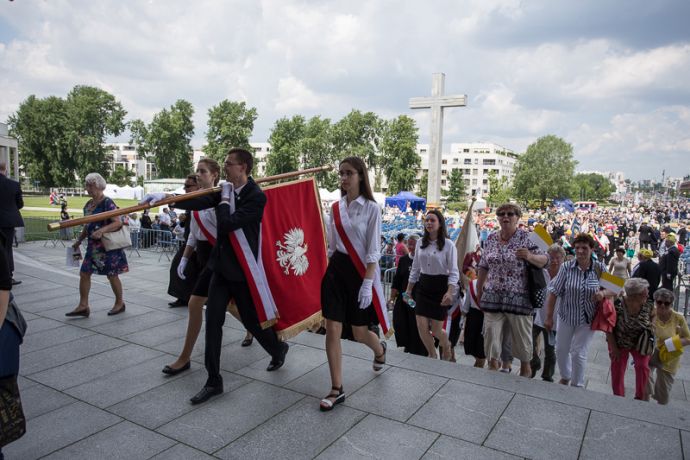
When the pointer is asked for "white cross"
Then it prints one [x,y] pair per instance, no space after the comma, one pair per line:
[437,102]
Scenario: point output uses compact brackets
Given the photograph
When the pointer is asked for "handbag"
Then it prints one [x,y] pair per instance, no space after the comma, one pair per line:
[118,239]
[536,282]
[12,419]
[646,342]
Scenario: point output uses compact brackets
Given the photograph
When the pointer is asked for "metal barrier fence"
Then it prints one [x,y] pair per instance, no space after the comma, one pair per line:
[36,229]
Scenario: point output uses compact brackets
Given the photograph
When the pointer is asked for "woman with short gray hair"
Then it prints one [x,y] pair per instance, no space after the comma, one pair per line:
[670,326]
[97,259]
[632,335]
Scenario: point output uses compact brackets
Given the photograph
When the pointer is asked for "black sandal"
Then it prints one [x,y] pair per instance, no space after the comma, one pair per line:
[327,404]
[380,360]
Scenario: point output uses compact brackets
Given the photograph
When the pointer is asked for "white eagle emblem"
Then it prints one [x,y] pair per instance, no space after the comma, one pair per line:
[292,254]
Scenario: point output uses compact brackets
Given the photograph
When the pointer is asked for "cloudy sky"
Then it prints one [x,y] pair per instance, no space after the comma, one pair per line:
[610,77]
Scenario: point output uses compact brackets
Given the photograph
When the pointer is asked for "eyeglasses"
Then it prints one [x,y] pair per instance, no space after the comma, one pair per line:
[664,303]
[504,214]
[346,173]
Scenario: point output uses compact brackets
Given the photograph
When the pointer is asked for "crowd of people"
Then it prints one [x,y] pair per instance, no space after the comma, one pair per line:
[642,246]
[500,299]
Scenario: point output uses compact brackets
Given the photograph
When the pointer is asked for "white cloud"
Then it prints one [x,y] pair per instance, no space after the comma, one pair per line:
[525,74]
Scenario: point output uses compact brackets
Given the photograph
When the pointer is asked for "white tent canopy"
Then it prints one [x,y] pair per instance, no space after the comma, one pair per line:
[126,192]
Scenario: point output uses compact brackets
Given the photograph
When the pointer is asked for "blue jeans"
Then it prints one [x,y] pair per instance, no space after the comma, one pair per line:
[9,358]
[9,344]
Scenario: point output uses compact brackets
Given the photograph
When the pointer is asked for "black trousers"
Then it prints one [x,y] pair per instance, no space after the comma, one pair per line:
[220,293]
[667,283]
[8,241]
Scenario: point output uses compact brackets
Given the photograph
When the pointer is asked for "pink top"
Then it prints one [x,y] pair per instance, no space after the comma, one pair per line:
[400,250]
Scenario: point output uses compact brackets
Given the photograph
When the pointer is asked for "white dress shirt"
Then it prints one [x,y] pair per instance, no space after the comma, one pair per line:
[365,217]
[431,261]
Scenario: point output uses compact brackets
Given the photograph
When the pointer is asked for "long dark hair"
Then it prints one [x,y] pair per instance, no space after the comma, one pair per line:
[361,168]
[442,232]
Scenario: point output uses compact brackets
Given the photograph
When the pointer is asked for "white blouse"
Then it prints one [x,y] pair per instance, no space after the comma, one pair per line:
[431,261]
[208,216]
[365,216]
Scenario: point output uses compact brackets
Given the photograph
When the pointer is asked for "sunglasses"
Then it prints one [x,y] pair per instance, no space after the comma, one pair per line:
[664,303]
[504,214]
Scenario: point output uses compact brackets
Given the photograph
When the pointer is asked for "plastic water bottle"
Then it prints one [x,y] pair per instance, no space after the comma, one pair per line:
[551,337]
[409,300]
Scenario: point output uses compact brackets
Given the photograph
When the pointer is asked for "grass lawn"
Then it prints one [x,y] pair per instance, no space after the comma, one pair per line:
[73,202]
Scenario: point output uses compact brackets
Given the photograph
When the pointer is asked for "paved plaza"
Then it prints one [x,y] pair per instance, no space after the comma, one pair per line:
[93,388]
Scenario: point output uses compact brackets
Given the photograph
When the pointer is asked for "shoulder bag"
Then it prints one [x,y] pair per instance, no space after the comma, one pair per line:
[118,239]
[536,282]
[12,419]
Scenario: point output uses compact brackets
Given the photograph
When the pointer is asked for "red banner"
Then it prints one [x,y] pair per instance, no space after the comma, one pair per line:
[293,249]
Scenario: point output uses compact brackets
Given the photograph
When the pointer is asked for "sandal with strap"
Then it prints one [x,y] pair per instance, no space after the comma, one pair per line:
[337,395]
[380,360]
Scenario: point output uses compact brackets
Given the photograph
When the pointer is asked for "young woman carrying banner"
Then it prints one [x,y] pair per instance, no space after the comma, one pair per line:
[202,237]
[435,268]
[351,288]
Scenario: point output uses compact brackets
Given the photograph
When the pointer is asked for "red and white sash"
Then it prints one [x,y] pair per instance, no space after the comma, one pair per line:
[253,269]
[356,249]
[208,228]
[453,313]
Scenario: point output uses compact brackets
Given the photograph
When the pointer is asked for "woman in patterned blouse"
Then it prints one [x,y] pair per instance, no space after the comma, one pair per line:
[634,315]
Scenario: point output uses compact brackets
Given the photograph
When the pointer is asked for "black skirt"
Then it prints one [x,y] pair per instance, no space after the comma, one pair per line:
[339,290]
[203,253]
[430,291]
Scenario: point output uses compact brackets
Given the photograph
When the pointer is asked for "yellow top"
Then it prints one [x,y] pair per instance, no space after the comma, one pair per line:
[676,325]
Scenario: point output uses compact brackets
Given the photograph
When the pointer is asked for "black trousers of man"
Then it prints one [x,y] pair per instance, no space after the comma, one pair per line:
[219,294]
[7,242]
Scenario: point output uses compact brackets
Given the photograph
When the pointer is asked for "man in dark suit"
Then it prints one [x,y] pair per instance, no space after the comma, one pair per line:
[11,202]
[669,262]
[648,269]
[229,280]
[645,235]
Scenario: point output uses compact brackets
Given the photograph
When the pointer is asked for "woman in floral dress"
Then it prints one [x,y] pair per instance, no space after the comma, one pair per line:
[97,259]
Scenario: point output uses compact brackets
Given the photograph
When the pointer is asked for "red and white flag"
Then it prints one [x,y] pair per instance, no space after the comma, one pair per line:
[293,252]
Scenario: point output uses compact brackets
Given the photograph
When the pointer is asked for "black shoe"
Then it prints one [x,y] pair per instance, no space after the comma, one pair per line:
[277,362]
[114,312]
[172,371]
[248,342]
[205,394]
[177,303]
[85,313]
[15,282]
[535,368]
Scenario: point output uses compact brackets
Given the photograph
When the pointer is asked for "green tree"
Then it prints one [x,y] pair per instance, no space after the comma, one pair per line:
[316,150]
[592,187]
[545,171]
[62,140]
[285,139]
[359,134]
[399,159]
[499,190]
[423,185]
[93,114]
[167,139]
[230,124]
[456,187]
[121,176]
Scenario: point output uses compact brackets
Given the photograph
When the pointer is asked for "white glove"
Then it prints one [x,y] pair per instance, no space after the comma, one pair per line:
[181,267]
[365,293]
[228,188]
[153,198]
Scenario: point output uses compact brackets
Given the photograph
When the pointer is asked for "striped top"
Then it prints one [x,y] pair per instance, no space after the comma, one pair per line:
[574,289]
